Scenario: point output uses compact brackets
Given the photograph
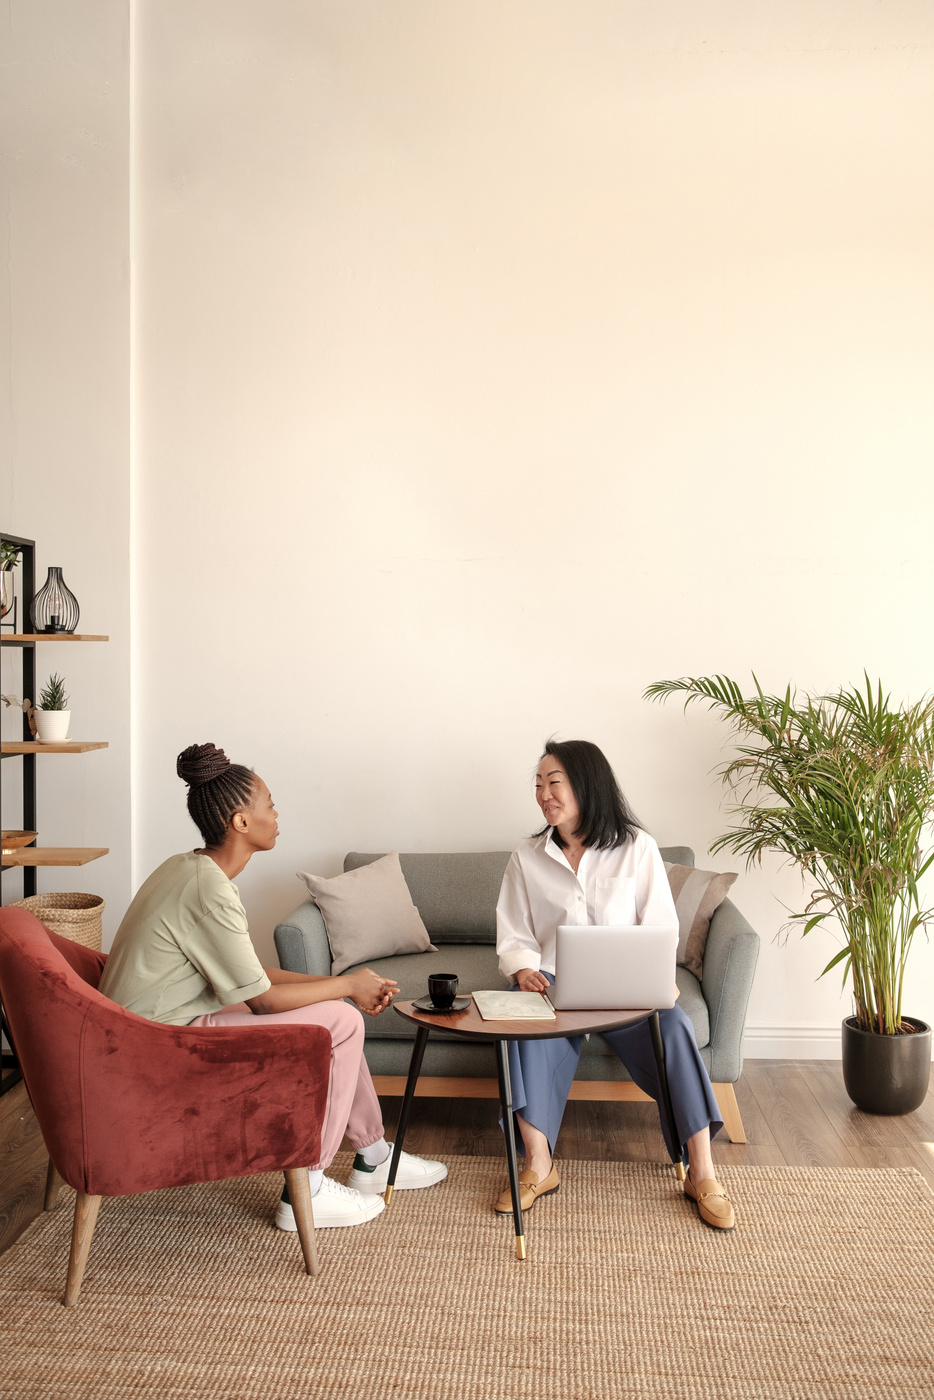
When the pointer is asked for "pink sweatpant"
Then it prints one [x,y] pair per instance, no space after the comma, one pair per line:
[353,1107]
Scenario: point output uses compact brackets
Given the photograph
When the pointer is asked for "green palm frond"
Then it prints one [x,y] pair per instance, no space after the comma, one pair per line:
[842,785]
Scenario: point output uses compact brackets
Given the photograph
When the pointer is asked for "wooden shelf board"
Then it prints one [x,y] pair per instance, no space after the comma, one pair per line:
[69,746]
[53,637]
[54,855]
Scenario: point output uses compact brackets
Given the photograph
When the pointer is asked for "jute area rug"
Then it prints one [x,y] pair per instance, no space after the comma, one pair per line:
[825,1289]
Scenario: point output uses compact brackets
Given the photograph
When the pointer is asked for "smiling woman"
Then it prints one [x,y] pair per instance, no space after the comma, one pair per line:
[183,956]
[593,864]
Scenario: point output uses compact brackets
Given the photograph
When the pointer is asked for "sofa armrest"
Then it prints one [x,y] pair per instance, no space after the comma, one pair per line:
[302,941]
[729,967]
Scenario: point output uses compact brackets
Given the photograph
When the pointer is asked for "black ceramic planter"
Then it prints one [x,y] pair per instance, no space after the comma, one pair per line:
[886,1073]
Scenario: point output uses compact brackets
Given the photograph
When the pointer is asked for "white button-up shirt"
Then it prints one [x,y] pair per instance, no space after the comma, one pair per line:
[626,885]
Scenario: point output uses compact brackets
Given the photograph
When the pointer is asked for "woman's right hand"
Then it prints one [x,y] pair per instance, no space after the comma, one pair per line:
[370,992]
[530,981]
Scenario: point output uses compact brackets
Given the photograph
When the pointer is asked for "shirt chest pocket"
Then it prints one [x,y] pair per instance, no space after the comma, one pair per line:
[615,901]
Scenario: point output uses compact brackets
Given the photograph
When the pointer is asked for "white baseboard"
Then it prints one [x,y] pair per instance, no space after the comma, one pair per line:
[791,1043]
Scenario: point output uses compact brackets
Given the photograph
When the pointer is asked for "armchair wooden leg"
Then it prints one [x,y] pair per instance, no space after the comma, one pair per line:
[729,1109]
[296,1179]
[86,1208]
[53,1184]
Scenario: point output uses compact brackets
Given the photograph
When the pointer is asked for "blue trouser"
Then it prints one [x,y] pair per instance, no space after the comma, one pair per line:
[541,1072]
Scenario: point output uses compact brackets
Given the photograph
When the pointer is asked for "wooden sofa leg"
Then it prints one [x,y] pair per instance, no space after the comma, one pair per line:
[53,1184]
[296,1179]
[729,1110]
[86,1208]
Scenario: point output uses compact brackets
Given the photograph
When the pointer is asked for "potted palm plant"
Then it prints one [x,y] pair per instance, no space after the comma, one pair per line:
[843,786]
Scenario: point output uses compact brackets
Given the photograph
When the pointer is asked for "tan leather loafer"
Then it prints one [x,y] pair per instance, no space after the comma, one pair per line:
[713,1204]
[530,1188]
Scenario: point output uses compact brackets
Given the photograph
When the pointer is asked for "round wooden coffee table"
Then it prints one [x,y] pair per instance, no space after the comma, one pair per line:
[469,1022]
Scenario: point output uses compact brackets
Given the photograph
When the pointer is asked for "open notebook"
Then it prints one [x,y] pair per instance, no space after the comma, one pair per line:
[514,1006]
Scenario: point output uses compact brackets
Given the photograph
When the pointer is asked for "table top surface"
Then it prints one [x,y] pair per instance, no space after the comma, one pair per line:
[566,1023]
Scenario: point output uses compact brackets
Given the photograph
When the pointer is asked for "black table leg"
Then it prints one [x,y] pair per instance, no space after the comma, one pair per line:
[509,1128]
[415,1067]
[659,1048]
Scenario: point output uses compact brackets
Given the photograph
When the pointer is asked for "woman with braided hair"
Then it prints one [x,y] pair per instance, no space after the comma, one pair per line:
[183,956]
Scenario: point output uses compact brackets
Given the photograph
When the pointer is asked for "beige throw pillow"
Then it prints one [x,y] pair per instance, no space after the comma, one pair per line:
[368,913]
[697,895]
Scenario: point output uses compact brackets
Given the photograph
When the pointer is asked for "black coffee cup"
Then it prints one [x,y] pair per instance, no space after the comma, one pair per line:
[442,988]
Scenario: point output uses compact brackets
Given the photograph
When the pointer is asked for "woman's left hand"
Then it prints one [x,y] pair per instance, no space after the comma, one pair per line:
[371,993]
[389,991]
[383,1000]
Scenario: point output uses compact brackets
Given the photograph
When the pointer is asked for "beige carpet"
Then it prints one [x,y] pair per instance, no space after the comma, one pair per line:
[825,1289]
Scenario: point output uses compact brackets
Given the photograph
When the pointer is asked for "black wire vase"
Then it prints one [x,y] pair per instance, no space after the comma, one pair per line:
[55,607]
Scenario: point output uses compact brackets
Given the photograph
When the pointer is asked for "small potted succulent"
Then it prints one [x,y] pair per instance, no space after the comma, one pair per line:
[52,717]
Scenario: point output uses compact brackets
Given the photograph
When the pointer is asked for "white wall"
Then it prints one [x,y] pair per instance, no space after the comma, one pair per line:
[495,360]
[64,404]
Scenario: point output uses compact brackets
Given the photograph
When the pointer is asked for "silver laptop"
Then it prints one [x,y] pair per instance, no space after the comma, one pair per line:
[614,969]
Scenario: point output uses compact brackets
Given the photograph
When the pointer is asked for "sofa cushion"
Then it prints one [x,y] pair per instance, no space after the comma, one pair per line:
[455,892]
[474,963]
[368,913]
[697,895]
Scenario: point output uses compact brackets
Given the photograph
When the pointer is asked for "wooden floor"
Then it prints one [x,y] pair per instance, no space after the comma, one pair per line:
[796,1113]
[23,1164]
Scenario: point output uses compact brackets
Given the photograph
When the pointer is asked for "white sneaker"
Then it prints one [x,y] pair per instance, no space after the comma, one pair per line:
[413,1173]
[334,1206]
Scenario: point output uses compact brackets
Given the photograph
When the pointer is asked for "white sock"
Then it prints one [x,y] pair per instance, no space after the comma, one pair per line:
[314,1180]
[376,1154]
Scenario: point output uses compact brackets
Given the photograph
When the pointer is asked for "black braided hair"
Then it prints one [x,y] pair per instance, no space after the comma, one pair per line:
[216,789]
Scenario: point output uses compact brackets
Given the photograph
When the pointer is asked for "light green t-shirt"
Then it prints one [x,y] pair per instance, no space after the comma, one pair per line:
[183,949]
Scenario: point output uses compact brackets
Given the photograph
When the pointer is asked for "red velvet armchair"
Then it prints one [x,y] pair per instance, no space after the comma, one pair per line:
[127,1105]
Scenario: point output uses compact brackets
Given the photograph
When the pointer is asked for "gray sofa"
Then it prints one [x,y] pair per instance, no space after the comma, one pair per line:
[456,896]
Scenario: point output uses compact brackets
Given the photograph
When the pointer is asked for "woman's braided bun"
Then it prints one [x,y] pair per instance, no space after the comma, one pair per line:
[217,789]
[200,763]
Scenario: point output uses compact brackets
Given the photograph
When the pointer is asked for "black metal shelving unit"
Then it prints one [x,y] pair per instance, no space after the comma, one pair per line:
[28,760]
[27,565]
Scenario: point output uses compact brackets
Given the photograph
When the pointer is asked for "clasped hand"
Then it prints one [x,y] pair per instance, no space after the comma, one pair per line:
[370,992]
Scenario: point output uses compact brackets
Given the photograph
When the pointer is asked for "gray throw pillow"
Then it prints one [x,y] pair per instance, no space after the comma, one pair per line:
[368,913]
[697,895]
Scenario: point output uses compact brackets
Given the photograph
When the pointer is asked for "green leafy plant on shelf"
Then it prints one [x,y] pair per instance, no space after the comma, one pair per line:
[53,696]
[843,785]
[9,555]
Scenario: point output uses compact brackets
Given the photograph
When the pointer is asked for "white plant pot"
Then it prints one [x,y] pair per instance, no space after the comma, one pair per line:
[52,726]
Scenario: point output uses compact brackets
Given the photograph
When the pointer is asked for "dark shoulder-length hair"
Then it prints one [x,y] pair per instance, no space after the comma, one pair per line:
[606,819]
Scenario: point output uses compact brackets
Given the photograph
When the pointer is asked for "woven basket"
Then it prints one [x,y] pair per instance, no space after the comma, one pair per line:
[74,916]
